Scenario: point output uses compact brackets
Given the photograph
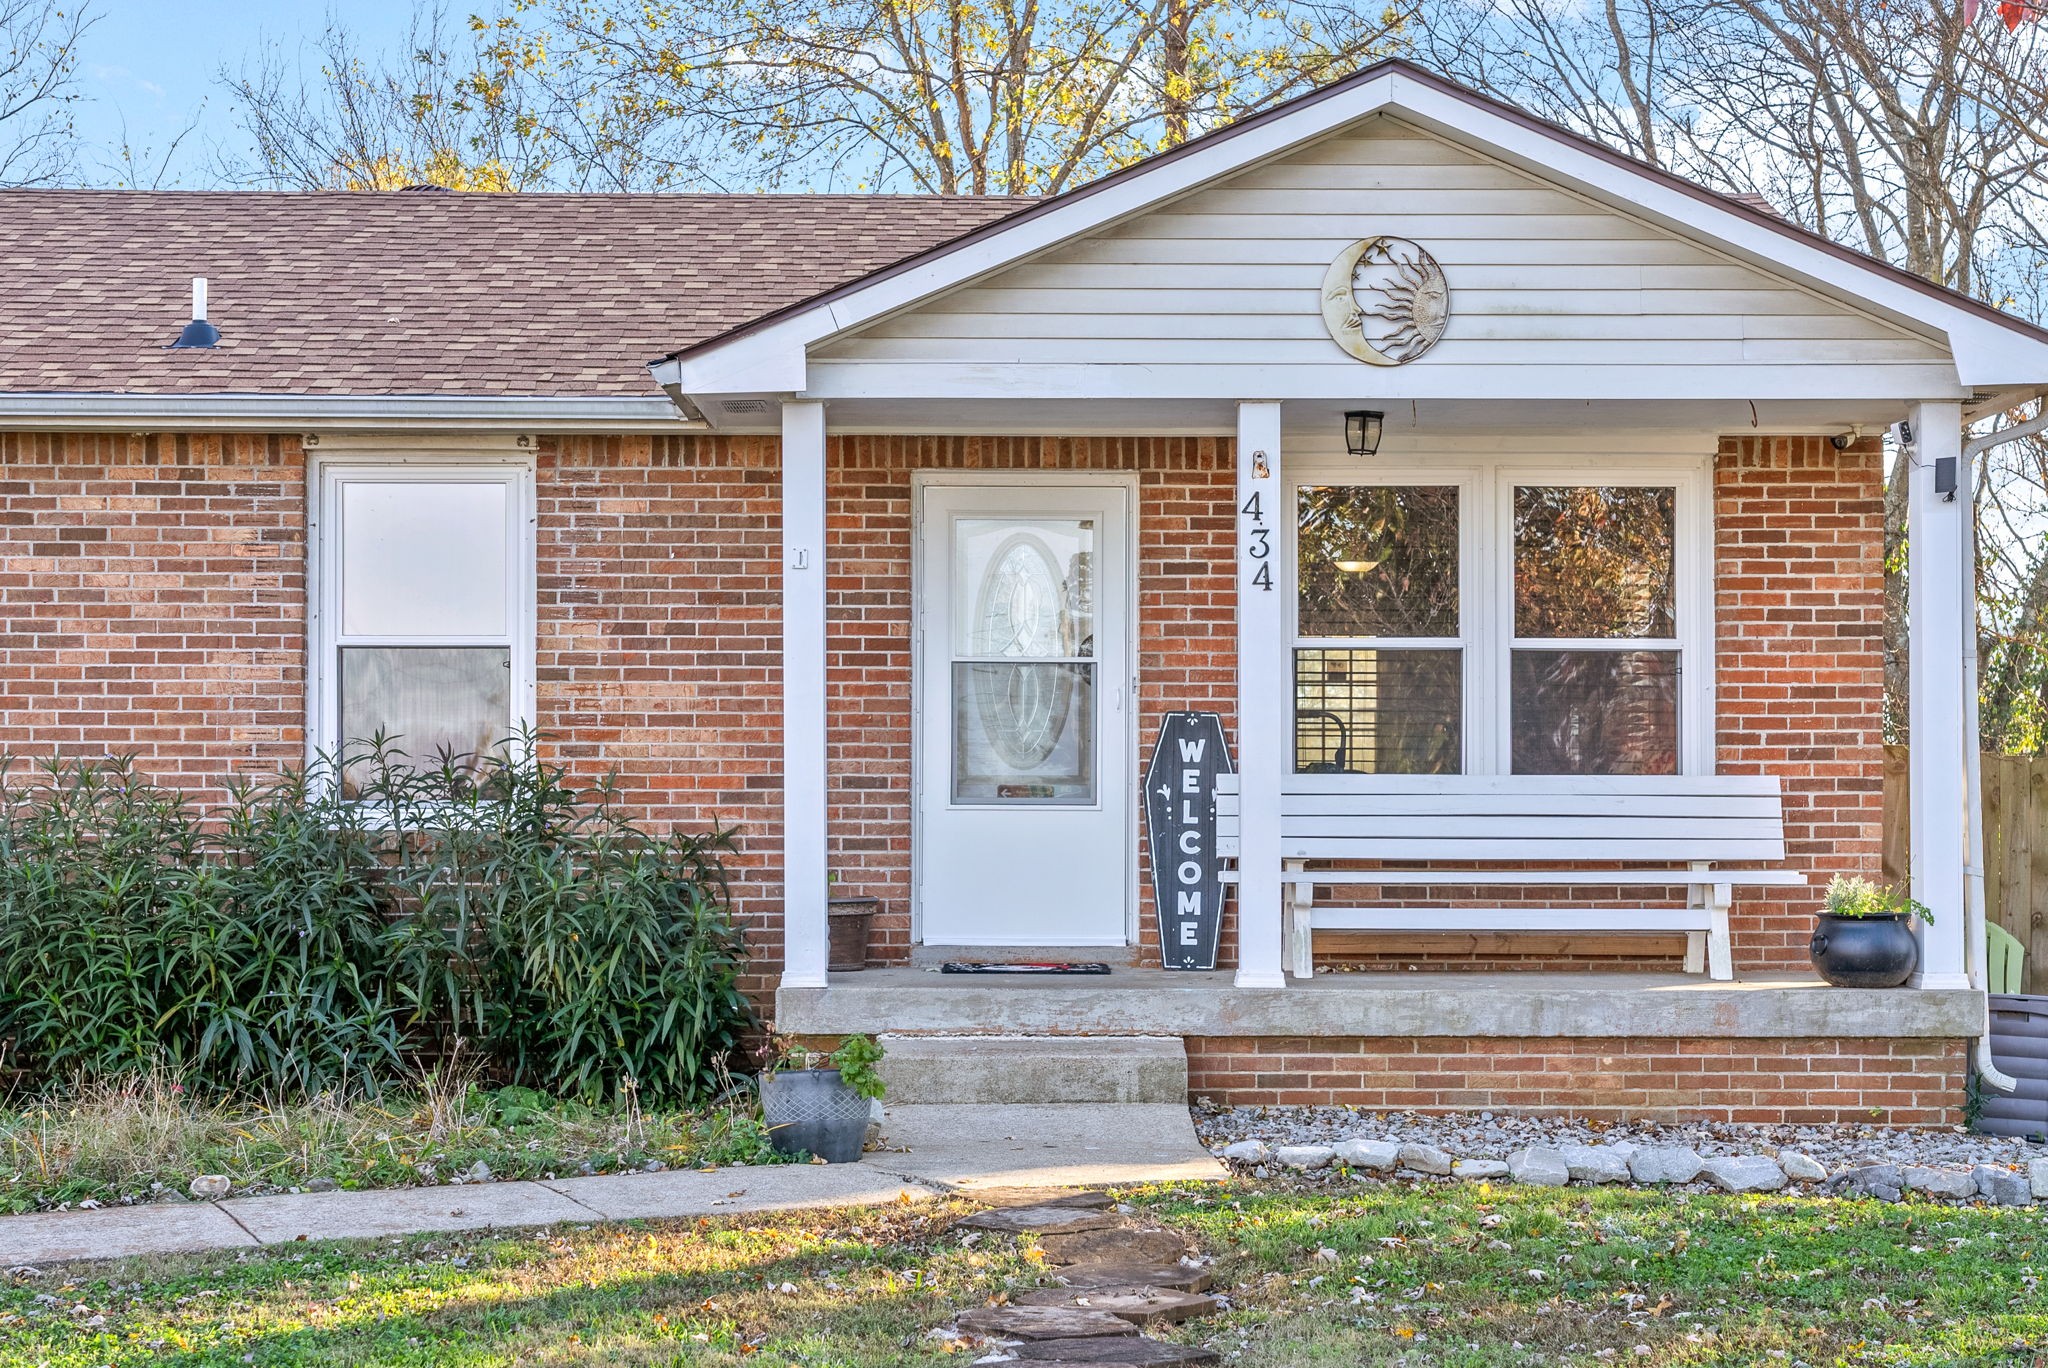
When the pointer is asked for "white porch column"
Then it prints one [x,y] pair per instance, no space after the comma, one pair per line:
[1264,691]
[1941,630]
[804,886]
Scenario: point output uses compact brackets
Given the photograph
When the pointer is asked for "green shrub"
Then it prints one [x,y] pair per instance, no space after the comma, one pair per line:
[311,935]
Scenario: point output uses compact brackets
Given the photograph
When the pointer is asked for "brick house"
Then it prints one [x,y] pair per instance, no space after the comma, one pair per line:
[1516,510]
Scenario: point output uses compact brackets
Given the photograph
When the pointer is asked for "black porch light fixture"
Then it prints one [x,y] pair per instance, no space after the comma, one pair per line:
[1362,431]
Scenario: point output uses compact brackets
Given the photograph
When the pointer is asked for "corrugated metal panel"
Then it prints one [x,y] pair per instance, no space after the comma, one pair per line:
[2019,1047]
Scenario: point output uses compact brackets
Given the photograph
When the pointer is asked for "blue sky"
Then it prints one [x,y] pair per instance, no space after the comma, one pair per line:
[149,65]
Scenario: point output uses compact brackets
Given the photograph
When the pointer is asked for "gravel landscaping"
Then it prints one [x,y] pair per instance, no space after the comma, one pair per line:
[1333,1144]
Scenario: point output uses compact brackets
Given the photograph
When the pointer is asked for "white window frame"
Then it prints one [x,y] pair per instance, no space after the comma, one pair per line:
[1486,485]
[1470,639]
[325,640]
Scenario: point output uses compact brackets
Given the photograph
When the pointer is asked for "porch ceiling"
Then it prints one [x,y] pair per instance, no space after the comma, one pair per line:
[1159,1002]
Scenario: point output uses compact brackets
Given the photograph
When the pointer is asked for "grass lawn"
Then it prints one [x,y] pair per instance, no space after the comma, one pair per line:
[136,1139]
[1436,1275]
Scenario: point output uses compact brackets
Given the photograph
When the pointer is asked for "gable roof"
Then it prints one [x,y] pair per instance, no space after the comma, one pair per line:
[407,293]
[1992,347]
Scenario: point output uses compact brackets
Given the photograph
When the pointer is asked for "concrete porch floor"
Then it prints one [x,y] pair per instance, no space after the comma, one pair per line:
[913,1000]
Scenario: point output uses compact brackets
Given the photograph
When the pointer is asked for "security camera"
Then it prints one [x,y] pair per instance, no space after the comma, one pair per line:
[1842,441]
[1902,433]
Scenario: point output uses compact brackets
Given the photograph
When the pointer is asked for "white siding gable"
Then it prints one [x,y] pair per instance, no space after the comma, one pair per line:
[1545,284]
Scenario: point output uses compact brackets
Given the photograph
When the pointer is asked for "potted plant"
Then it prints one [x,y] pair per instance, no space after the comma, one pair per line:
[819,1103]
[1865,935]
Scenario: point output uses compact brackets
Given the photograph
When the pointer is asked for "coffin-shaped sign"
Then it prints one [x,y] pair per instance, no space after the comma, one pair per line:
[1180,816]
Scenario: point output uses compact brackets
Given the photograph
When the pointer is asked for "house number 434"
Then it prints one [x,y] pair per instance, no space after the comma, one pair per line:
[1258,541]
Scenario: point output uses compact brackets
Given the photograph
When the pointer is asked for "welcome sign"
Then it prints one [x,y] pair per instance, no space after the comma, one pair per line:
[1180,816]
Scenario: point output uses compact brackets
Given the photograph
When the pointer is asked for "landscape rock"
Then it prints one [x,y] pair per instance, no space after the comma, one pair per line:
[1480,1170]
[2037,1175]
[1539,1166]
[2002,1186]
[1425,1159]
[211,1187]
[1042,1322]
[1801,1168]
[1597,1163]
[1369,1154]
[1940,1182]
[1882,1181]
[1248,1152]
[1743,1173]
[1664,1164]
[322,1185]
[1305,1156]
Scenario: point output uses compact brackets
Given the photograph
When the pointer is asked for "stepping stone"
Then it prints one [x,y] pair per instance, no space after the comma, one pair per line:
[1134,1353]
[1174,1277]
[1138,1305]
[1043,1197]
[1044,1220]
[1115,1246]
[1042,1322]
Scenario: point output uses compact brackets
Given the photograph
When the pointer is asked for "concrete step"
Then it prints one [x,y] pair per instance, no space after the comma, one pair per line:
[1034,1069]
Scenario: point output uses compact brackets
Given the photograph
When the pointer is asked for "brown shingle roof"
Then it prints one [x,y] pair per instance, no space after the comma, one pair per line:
[401,293]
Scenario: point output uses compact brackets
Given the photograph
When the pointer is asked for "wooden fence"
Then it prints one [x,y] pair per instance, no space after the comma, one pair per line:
[2015,847]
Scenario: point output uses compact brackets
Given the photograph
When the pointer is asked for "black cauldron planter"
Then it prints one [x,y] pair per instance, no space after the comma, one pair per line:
[1864,937]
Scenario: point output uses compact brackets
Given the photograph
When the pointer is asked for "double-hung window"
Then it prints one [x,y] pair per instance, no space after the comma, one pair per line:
[424,625]
[1379,664]
[1504,619]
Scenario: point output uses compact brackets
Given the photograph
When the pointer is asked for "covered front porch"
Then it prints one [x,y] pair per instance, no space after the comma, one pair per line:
[1598,631]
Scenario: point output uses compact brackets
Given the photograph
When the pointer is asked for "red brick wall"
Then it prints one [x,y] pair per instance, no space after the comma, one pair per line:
[660,640]
[659,644]
[1893,1082]
[1799,610]
[152,599]
[152,590]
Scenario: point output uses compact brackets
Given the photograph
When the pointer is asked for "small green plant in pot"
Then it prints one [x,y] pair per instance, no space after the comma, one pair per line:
[819,1103]
[1865,934]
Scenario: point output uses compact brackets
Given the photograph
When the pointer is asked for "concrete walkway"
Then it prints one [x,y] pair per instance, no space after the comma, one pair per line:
[931,1151]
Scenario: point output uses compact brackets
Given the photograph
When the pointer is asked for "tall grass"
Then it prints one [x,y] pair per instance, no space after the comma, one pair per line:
[312,936]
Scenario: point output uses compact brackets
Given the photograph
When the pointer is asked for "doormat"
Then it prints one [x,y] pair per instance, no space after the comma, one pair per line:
[1023,967]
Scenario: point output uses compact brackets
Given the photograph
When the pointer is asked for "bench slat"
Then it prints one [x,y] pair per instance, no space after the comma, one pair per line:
[1453,832]
[1562,784]
[1509,848]
[1602,878]
[1764,806]
[1510,919]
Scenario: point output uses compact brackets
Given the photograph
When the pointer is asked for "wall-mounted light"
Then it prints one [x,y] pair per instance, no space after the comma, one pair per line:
[1362,431]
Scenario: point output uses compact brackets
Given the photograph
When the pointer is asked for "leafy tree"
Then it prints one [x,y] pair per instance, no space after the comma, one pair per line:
[441,112]
[38,84]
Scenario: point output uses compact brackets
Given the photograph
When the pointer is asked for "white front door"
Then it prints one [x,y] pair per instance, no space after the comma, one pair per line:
[1024,826]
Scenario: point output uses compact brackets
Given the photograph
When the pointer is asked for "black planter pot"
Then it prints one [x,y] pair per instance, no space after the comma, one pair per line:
[812,1111]
[1864,952]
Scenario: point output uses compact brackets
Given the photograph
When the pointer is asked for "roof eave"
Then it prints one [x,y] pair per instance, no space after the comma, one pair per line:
[241,412]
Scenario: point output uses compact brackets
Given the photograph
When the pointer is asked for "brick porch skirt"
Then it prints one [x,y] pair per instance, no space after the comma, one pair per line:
[1899,1082]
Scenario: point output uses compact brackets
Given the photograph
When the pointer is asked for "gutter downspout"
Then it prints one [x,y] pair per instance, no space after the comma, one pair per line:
[1977,950]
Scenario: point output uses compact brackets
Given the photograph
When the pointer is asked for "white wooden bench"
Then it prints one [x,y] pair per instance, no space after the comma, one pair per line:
[1641,832]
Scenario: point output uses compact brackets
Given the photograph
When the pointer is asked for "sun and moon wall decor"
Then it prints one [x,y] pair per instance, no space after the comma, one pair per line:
[1385,300]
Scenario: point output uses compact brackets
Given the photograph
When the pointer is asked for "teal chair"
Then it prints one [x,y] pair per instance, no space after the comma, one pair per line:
[2006,958]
